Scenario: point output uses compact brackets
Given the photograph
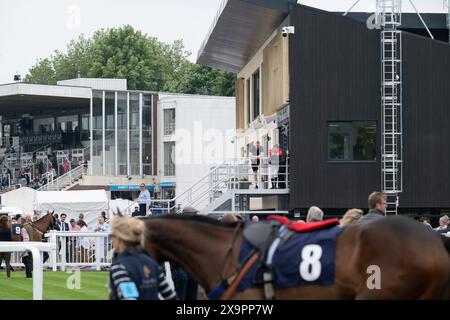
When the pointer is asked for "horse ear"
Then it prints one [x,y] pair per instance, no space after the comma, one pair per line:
[119,213]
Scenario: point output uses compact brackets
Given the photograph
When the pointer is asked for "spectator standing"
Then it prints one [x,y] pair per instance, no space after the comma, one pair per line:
[144,200]
[5,235]
[257,152]
[102,226]
[315,214]
[444,222]
[63,225]
[351,217]
[84,242]
[66,166]
[27,234]
[426,222]
[377,207]
[73,240]
[134,274]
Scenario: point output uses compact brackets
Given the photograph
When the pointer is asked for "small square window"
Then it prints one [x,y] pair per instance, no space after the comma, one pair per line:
[352,141]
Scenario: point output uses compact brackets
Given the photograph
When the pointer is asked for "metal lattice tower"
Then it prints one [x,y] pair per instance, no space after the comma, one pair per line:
[389,15]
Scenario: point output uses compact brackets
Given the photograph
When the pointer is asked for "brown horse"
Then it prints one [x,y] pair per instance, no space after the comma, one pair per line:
[39,227]
[413,261]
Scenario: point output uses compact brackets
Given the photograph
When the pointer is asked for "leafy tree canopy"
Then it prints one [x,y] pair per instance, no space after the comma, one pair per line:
[124,53]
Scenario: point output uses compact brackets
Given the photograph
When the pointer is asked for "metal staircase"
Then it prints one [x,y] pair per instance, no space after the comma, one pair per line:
[390,12]
[64,182]
[225,189]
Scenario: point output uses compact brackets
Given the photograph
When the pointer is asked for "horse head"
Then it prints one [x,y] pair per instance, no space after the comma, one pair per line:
[51,220]
[205,251]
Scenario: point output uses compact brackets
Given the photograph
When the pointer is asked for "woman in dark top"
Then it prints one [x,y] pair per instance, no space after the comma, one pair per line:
[134,274]
[5,235]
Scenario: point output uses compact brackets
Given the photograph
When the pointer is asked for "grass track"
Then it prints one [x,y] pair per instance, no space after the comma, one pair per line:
[94,286]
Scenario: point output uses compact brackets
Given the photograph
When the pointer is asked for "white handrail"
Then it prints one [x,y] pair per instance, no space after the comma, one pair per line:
[72,175]
[225,177]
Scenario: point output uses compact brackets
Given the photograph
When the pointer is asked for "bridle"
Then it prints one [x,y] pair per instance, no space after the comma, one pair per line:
[227,286]
[36,228]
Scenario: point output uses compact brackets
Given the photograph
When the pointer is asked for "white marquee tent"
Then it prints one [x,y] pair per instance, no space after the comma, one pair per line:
[91,203]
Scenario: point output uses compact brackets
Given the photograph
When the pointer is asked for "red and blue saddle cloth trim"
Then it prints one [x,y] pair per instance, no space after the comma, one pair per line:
[287,258]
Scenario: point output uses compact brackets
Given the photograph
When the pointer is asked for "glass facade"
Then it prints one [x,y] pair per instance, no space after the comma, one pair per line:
[122,133]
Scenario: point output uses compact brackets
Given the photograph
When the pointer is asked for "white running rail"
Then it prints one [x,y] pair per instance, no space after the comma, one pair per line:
[35,248]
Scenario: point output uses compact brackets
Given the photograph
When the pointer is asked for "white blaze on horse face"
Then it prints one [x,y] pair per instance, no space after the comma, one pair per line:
[374,280]
[310,268]
[74,280]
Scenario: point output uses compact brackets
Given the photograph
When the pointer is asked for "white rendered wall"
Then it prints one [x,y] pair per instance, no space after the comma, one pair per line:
[96,84]
[205,128]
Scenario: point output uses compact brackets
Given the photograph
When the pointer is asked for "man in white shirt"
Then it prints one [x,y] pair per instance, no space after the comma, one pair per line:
[102,226]
[144,200]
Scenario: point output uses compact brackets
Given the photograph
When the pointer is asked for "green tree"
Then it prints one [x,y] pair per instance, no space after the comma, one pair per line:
[42,72]
[144,61]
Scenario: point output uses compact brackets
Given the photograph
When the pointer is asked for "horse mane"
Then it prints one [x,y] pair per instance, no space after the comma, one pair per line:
[43,217]
[196,218]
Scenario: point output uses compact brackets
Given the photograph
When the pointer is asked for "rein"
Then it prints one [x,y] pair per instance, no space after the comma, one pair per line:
[36,228]
[227,286]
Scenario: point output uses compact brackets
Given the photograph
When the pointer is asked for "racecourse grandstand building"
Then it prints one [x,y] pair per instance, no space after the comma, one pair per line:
[85,134]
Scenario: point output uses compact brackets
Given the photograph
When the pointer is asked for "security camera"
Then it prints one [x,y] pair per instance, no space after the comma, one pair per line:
[285,31]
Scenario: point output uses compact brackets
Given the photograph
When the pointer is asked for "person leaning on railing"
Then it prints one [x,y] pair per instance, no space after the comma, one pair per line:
[144,199]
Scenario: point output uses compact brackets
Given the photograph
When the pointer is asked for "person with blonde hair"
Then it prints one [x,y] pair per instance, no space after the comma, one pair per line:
[134,274]
[350,217]
[315,214]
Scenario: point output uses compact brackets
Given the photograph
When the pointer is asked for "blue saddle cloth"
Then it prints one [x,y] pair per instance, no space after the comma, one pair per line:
[304,259]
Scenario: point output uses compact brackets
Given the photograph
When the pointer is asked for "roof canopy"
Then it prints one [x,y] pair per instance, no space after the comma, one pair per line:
[19,98]
[240,29]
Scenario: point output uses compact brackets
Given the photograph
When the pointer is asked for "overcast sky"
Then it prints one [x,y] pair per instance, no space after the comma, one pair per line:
[33,29]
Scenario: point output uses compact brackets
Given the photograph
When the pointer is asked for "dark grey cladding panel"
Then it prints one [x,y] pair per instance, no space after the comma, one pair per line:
[409,20]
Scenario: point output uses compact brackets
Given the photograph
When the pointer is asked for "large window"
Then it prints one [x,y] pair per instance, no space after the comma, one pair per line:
[97,133]
[122,137]
[134,134]
[352,141]
[248,101]
[147,134]
[256,90]
[169,155]
[169,121]
[110,147]
[133,117]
